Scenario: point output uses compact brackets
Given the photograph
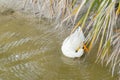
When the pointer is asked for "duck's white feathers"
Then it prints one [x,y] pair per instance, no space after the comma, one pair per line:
[73,42]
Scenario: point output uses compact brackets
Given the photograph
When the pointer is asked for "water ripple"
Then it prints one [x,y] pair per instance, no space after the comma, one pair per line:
[32,52]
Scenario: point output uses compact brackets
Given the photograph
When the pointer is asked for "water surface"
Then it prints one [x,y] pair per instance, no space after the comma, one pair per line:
[31,51]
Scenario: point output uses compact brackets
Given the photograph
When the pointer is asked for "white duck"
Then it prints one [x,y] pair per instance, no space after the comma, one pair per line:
[73,45]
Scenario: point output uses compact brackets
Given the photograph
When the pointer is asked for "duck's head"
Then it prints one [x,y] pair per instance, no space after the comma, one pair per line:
[84,47]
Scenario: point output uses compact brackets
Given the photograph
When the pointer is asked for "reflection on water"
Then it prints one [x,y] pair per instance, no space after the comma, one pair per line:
[31,51]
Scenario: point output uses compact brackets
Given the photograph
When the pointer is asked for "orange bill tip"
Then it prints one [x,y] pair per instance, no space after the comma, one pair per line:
[85,48]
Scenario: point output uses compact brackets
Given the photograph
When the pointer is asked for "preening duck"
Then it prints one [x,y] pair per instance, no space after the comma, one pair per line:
[73,46]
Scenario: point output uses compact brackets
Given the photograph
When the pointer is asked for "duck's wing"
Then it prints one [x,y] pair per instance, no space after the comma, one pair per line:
[77,38]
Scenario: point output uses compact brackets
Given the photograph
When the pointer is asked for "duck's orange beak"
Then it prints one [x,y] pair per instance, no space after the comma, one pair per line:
[85,48]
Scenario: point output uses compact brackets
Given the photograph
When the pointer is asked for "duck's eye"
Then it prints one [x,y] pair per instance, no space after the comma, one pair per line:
[76,50]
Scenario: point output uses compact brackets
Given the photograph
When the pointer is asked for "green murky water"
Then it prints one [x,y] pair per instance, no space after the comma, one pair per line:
[31,51]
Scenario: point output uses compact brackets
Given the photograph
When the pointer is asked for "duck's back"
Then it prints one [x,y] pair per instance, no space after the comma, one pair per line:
[72,42]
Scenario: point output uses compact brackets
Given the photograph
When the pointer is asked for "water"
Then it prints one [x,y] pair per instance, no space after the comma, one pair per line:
[31,51]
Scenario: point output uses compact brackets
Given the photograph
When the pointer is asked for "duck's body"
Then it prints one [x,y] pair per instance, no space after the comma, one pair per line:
[73,45]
